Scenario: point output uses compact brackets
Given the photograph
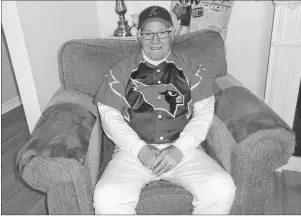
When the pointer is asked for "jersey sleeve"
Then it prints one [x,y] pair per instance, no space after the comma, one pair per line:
[202,86]
[112,90]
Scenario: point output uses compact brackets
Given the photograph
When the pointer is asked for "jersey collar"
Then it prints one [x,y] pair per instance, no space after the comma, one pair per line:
[155,63]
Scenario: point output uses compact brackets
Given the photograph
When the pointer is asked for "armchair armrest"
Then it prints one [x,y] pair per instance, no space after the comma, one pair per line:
[253,161]
[66,181]
[227,81]
[58,158]
[245,114]
[264,142]
[70,96]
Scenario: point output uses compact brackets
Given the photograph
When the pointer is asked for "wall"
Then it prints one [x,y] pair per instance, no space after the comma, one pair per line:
[248,43]
[106,11]
[248,39]
[9,91]
[46,25]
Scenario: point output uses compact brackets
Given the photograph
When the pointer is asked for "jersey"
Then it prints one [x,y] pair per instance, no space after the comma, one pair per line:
[156,101]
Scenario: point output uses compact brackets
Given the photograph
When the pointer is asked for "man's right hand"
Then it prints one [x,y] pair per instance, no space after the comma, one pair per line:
[147,155]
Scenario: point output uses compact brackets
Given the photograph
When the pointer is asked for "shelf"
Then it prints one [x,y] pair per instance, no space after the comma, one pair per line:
[130,38]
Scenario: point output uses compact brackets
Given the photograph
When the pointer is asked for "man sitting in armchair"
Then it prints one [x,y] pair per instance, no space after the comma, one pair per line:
[157,107]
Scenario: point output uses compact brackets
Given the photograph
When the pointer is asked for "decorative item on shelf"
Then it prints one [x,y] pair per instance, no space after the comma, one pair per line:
[194,15]
[123,29]
[134,21]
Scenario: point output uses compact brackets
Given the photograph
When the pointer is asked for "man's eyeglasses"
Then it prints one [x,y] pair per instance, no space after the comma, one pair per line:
[150,35]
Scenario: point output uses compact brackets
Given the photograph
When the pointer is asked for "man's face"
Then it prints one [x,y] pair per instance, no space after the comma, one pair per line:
[156,48]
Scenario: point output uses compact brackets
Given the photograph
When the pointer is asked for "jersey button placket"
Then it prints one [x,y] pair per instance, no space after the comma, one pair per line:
[160,117]
[159,97]
[158,71]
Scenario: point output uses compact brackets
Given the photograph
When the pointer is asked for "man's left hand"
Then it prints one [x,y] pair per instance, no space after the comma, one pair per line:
[167,160]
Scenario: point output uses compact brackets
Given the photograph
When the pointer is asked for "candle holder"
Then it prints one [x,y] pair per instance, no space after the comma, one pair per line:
[123,29]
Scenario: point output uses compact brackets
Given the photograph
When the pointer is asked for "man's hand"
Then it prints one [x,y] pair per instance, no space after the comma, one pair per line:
[147,154]
[167,160]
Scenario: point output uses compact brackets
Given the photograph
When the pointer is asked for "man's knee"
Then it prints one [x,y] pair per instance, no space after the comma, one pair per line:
[219,195]
[222,186]
[104,199]
[115,198]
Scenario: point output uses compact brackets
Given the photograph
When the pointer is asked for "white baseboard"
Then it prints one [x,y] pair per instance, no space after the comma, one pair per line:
[10,104]
[294,164]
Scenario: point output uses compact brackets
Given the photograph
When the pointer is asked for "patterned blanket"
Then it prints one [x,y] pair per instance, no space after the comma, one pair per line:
[244,113]
[63,130]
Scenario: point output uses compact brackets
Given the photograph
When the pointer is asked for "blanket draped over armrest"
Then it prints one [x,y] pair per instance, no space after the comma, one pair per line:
[63,131]
[245,114]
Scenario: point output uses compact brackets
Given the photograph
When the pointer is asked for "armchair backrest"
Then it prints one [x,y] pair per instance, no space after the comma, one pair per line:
[84,62]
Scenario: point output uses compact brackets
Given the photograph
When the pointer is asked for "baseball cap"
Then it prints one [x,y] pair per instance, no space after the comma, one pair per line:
[154,13]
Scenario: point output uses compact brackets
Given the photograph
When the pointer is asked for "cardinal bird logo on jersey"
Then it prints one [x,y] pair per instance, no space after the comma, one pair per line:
[164,97]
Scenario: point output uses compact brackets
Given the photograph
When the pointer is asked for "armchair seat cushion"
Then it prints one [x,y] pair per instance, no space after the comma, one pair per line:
[163,197]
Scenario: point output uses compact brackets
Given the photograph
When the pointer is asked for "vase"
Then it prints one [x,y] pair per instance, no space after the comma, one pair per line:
[123,28]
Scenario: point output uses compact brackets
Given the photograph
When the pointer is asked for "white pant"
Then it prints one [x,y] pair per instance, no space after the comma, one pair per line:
[118,190]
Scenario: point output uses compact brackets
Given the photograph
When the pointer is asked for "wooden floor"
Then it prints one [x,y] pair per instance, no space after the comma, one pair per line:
[18,198]
[286,197]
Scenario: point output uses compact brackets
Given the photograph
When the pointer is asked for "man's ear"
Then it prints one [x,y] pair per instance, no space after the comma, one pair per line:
[138,35]
[173,34]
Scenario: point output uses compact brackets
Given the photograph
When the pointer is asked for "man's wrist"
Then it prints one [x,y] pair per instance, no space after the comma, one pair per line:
[186,142]
[180,147]
[135,150]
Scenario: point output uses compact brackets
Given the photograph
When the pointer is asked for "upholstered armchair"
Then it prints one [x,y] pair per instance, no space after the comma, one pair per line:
[247,138]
